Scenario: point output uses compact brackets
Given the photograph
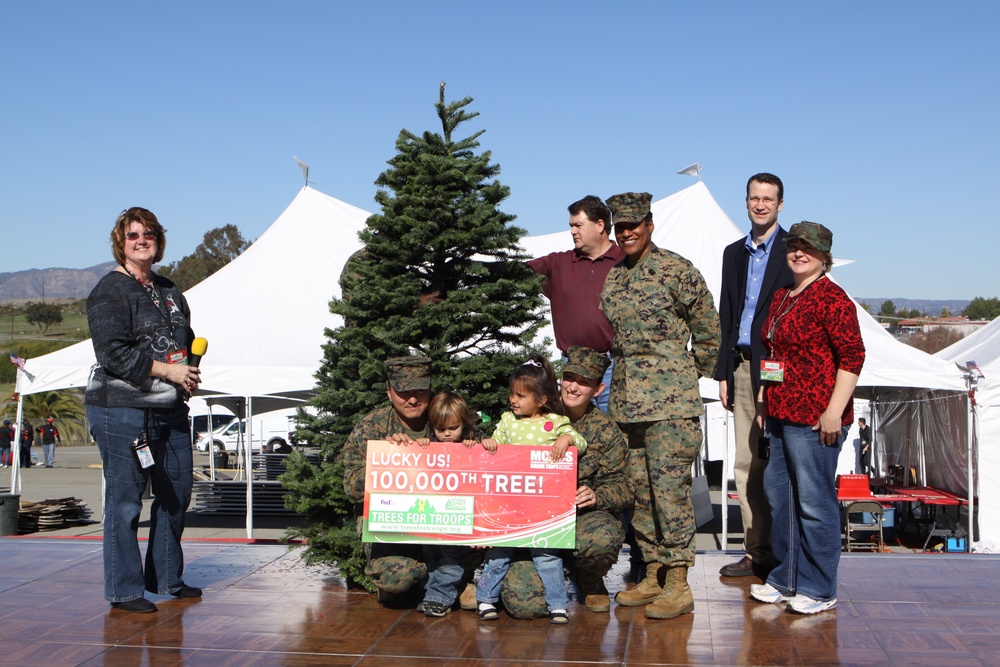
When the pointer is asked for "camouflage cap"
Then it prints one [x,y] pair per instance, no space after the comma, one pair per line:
[629,208]
[409,373]
[586,363]
[812,233]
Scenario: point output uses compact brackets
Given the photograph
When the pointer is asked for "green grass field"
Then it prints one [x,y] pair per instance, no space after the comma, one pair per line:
[73,327]
[28,341]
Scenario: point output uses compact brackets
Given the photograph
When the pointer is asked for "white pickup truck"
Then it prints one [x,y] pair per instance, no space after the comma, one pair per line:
[270,431]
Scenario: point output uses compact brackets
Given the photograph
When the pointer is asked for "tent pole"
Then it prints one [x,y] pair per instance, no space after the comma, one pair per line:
[873,465]
[921,445]
[248,465]
[15,449]
[210,447]
[971,428]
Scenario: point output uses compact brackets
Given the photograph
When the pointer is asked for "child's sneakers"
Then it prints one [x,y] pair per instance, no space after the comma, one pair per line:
[436,609]
[558,616]
[488,612]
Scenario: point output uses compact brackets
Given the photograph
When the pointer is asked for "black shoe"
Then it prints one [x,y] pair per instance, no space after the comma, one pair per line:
[741,568]
[136,606]
[435,609]
[187,592]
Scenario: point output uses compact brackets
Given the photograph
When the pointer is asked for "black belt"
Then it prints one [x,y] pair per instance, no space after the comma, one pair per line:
[742,353]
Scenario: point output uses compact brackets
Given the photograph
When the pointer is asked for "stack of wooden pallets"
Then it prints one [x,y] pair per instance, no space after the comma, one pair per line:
[52,514]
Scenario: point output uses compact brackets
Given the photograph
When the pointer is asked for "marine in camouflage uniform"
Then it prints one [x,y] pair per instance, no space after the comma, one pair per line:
[396,568]
[602,470]
[656,302]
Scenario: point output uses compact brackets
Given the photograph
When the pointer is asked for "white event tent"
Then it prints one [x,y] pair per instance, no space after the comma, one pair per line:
[983,347]
[265,313]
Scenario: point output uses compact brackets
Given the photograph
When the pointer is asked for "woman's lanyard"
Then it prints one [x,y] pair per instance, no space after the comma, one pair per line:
[771,369]
[153,293]
[782,313]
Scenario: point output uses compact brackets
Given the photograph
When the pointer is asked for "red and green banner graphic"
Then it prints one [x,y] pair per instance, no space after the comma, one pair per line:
[451,494]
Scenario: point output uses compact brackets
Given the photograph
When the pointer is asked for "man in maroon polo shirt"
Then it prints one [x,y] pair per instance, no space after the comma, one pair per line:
[574,279]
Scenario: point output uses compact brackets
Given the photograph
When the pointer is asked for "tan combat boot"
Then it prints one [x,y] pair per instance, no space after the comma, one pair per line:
[594,593]
[468,598]
[648,589]
[676,598]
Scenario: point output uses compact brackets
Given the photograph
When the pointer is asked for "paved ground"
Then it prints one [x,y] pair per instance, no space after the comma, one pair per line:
[77,474]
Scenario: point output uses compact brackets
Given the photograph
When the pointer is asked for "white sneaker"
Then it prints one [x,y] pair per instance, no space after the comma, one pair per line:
[767,593]
[803,604]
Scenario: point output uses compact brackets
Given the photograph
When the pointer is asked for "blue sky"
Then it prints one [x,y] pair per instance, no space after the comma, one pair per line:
[880,117]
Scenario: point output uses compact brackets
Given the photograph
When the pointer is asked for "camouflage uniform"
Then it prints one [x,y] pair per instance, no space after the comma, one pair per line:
[655,307]
[599,533]
[396,568]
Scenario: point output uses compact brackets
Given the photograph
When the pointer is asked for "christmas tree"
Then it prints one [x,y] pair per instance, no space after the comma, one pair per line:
[440,275]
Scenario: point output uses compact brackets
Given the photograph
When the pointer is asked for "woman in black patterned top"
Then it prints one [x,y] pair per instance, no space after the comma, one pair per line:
[136,406]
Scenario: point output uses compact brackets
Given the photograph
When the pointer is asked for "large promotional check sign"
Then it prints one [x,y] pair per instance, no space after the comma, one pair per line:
[451,494]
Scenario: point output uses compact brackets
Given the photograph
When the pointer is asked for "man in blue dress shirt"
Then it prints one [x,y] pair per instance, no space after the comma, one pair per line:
[753,268]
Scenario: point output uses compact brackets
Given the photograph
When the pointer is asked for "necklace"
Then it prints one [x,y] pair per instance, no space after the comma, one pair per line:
[148,286]
[781,313]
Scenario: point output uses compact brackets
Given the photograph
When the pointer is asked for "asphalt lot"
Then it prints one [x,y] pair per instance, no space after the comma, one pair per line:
[77,474]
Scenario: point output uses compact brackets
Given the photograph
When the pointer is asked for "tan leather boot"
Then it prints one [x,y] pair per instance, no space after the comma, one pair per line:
[598,603]
[676,598]
[594,593]
[648,589]
[468,598]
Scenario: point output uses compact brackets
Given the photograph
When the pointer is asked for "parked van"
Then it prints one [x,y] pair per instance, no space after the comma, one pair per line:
[200,427]
[270,431]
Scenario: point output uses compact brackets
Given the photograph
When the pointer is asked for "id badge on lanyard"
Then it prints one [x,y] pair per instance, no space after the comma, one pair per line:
[772,370]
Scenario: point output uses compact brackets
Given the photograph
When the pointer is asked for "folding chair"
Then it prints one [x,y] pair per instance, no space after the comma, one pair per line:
[860,535]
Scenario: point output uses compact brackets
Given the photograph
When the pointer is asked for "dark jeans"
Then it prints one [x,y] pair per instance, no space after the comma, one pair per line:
[115,429]
[800,479]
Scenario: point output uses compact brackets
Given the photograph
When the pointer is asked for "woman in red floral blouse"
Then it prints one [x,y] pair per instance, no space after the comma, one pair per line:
[816,355]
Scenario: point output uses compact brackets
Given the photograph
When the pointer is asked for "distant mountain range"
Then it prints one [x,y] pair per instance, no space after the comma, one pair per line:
[34,284]
[930,306]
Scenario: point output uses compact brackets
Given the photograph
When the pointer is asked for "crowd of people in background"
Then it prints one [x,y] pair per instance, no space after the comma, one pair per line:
[25,438]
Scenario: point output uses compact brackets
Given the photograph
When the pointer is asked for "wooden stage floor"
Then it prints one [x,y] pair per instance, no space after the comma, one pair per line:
[263,606]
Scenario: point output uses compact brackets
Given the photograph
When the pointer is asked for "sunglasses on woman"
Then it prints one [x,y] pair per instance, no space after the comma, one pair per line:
[148,235]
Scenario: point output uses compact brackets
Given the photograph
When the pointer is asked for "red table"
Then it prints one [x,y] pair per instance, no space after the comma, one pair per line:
[933,498]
